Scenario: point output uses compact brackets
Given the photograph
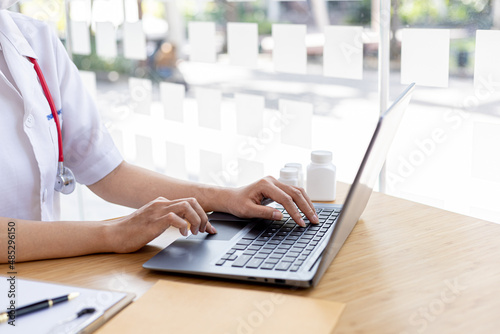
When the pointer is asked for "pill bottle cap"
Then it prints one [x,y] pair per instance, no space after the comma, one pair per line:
[321,157]
[288,173]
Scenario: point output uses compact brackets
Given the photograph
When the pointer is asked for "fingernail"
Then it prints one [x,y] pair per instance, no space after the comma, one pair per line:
[316,219]
[302,222]
[214,231]
[277,215]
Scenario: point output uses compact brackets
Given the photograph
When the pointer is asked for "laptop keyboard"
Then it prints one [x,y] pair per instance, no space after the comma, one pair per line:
[279,245]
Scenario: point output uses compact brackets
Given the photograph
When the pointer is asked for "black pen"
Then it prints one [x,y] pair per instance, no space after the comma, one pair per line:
[36,306]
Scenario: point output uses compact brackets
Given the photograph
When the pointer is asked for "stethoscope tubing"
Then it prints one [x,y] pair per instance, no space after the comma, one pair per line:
[52,105]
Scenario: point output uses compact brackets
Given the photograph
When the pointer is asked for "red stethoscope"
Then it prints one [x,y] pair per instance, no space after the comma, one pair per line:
[65,179]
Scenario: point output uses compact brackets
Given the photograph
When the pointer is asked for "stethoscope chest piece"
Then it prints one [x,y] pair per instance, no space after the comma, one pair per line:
[65,180]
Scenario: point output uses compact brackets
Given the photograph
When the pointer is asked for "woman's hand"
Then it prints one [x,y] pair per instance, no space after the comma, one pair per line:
[246,201]
[132,232]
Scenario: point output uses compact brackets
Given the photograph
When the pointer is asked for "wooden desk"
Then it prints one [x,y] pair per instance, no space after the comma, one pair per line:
[406,268]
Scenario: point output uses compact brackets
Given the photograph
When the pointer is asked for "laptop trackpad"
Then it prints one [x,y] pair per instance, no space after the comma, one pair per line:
[226,230]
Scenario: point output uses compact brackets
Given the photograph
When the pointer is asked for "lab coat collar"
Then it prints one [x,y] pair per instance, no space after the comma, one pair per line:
[11,31]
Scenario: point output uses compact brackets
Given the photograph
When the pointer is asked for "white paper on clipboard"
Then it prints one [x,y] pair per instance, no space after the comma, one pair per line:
[51,320]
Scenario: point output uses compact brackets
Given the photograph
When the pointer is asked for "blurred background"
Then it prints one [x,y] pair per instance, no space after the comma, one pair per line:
[186,89]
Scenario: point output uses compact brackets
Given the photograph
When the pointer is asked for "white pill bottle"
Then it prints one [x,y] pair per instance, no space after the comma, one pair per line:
[299,168]
[289,176]
[321,177]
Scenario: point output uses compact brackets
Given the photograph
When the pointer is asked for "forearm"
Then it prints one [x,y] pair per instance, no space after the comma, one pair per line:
[133,186]
[35,240]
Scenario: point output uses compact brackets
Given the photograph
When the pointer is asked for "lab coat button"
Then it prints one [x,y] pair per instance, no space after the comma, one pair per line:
[30,121]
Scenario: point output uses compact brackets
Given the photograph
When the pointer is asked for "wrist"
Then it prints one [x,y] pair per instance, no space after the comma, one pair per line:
[110,238]
[216,198]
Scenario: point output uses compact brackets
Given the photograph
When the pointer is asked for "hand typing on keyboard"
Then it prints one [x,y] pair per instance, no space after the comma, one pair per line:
[246,201]
[279,244]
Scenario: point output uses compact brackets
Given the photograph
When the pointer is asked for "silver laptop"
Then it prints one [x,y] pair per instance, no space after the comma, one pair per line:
[281,252]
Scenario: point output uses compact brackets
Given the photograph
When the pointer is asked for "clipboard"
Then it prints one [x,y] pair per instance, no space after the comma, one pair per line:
[53,320]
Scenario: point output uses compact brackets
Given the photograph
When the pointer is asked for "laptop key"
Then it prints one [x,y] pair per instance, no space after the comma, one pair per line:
[241,260]
[283,266]
[254,248]
[220,262]
[267,266]
[249,252]
[273,260]
[239,247]
[295,268]
[261,255]
[288,259]
[244,242]
[232,257]
[276,255]
[254,263]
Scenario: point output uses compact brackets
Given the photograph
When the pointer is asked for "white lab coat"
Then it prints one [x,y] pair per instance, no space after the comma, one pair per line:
[28,146]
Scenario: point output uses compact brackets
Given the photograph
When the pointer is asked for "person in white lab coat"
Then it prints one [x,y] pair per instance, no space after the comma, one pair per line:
[29,163]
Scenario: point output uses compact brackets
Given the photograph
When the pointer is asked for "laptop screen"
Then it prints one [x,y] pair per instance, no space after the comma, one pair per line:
[365,180]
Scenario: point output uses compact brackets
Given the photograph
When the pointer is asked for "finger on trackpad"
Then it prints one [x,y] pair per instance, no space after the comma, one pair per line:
[226,230]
